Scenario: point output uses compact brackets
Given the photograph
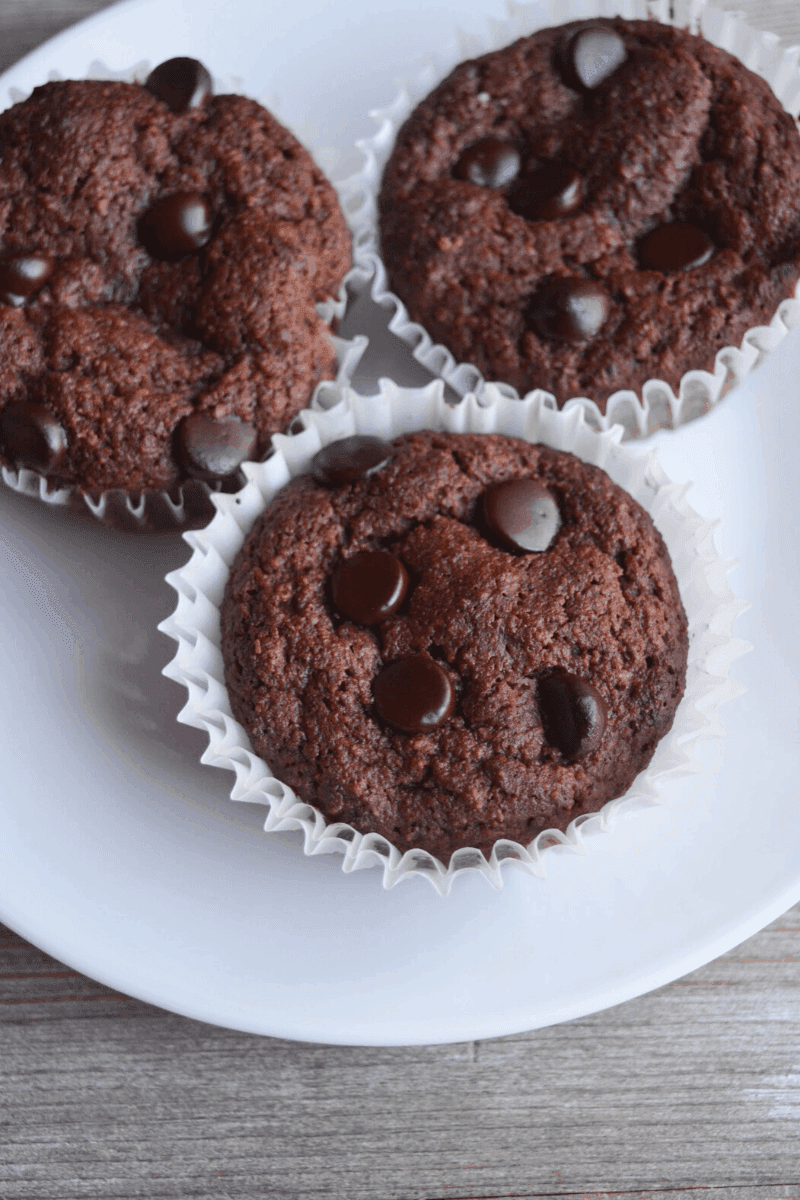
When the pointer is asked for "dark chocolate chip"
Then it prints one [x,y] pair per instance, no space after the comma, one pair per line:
[349,459]
[182,83]
[678,246]
[369,587]
[21,277]
[31,436]
[414,694]
[573,714]
[489,163]
[523,514]
[176,226]
[590,56]
[212,450]
[554,190]
[569,309]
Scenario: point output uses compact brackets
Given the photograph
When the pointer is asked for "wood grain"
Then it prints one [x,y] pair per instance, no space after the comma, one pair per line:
[25,24]
[694,1087]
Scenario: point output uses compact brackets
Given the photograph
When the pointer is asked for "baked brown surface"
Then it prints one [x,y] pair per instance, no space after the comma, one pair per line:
[680,131]
[601,603]
[121,346]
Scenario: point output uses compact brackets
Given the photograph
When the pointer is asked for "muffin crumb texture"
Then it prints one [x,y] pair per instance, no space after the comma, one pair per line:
[471,638]
[594,206]
[161,253]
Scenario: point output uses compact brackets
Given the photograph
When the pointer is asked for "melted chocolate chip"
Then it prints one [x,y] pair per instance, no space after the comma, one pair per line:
[678,246]
[569,309]
[414,694]
[489,163]
[523,514]
[176,226]
[554,190]
[590,56]
[369,587]
[182,83]
[349,459]
[22,277]
[31,436]
[212,450]
[573,714]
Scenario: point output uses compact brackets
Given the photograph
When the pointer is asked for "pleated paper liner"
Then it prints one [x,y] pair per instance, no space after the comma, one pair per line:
[657,406]
[151,511]
[190,506]
[710,606]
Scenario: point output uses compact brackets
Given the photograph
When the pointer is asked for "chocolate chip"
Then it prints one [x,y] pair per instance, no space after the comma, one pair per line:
[523,514]
[678,246]
[569,309]
[182,83]
[573,714]
[414,694]
[554,190]
[590,56]
[212,450]
[176,226]
[349,459]
[31,436]
[22,277]
[489,163]
[370,586]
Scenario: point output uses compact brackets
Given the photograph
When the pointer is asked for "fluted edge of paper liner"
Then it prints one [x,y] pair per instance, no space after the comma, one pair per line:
[710,606]
[658,406]
[146,509]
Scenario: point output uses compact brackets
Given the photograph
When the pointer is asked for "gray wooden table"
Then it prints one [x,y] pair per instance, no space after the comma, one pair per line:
[695,1086]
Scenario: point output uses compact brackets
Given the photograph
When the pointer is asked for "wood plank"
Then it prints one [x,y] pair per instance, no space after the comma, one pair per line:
[696,1085]
[25,24]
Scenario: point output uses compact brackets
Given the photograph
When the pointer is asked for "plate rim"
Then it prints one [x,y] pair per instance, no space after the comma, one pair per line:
[728,936]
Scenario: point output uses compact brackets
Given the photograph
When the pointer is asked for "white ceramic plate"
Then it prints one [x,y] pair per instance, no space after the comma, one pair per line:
[121,855]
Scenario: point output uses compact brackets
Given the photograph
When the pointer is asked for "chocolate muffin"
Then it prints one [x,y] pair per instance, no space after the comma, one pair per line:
[161,253]
[594,206]
[454,638]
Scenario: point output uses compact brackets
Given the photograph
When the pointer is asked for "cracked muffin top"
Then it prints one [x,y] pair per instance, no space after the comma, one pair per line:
[454,638]
[161,253]
[594,206]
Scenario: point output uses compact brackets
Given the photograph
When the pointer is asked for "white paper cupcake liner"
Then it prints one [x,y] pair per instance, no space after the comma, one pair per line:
[151,511]
[658,406]
[710,606]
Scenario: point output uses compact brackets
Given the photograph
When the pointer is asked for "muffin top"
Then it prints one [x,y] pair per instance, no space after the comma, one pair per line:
[454,638]
[594,206]
[161,253]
